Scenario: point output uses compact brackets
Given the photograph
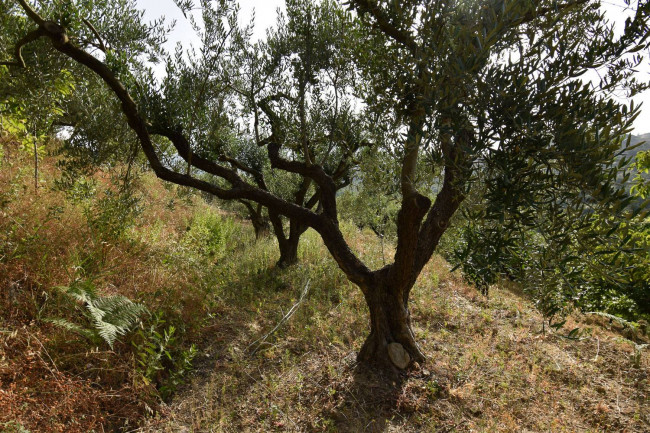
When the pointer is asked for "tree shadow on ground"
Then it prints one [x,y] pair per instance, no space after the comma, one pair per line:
[370,401]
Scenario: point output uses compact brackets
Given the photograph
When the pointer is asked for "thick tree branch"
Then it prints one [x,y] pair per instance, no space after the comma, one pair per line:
[414,205]
[448,200]
[31,13]
[61,43]
[180,142]
[312,171]
[328,228]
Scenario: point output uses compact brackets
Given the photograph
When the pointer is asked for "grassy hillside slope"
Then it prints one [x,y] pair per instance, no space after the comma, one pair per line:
[205,282]
[490,369]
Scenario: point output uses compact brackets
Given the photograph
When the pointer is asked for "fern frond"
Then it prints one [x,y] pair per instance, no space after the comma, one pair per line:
[111,316]
[617,319]
[70,326]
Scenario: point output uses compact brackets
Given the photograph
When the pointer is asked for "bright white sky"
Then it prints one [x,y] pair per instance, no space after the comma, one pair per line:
[266,14]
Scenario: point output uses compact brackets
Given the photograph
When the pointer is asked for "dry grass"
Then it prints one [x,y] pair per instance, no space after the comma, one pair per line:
[52,379]
[489,368]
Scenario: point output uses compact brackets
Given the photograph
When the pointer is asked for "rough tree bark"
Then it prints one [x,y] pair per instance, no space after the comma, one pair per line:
[288,252]
[288,244]
[390,323]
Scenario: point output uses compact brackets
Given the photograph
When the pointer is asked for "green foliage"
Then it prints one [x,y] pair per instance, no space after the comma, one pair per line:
[372,200]
[29,112]
[619,275]
[110,211]
[641,185]
[76,187]
[161,360]
[599,264]
[365,209]
[13,427]
[110,216]
[105,317]
[206,234]
[490,95]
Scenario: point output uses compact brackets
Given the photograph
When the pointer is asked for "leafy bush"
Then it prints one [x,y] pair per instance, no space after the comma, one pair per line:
[113,214]
[206,234]
[593,268]
[160,358]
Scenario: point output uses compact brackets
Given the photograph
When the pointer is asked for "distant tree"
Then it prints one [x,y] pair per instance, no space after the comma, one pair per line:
[295,89]
[489,84]
[641,182]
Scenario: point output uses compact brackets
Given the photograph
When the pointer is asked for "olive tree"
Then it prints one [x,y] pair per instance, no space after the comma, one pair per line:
[489,84]
[295,90]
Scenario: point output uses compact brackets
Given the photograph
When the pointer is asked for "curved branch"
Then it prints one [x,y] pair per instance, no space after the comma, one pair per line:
[182,146]
[240,189]
[92,28]
[328,228]
[31,13]
[18,50]
[448,200]
[312,171]
[257,175]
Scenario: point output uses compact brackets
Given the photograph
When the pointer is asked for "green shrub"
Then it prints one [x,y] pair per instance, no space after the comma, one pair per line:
[110,216]
[161,360]
[206,234]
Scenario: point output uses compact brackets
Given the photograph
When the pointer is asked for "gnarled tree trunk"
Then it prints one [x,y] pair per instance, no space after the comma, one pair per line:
[261,227]
[288,251]
[391,341]
[288,244]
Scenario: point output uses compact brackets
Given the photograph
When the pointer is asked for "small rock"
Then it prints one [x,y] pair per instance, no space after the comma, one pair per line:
[398,355]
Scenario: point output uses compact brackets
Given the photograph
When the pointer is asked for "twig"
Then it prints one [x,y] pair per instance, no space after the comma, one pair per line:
[46,353]
[96,33]
[597,349]
[257,343]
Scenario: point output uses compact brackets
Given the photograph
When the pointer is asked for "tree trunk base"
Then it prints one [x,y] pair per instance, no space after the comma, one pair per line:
[381,351]
[261,231]
[391,342]
[288,252]
[285,262]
